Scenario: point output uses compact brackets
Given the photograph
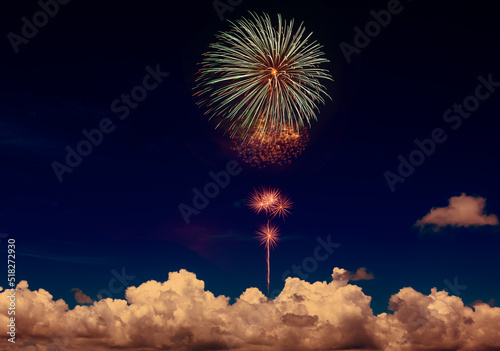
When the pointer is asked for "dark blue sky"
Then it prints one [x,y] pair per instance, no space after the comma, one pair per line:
[119,207]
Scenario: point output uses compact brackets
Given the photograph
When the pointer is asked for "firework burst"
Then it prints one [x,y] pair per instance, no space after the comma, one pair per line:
[268,236]
[264,199]
[281,208]
[274,204]
[260,73]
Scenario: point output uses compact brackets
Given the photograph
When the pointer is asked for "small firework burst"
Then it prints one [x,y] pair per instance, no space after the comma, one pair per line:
[264,199]
[281,208]
[268,235]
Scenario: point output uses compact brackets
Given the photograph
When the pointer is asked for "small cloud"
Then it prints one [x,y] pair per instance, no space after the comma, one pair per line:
[80,297]
[340,274]
[462,211]
[490,303]
[361,274]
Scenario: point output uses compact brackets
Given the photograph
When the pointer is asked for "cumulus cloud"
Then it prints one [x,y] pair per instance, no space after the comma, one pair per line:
[462,211]
[361,274]
[80,297]
[179,314]
[342,274]
[490,303]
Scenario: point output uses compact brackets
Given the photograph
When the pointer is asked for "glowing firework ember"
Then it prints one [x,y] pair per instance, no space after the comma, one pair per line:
[262,150]
[271,201]
[268,236]
[282,207]
[258,73]
[263,199]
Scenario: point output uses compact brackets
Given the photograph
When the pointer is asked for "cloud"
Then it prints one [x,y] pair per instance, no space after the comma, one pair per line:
[462,211]
[361,274]
[80,297]
[296,320]
[342,274]
[179,314]
[490,303]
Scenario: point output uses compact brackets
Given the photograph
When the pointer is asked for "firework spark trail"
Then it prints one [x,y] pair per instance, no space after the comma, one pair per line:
[257,70]
[273,203]
[268,269]
[268,236]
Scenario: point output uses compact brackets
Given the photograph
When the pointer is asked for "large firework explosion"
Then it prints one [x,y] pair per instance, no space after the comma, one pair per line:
[257,73]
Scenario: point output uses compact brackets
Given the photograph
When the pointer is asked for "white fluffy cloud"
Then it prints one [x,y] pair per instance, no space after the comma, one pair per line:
[462,211]
[180,314]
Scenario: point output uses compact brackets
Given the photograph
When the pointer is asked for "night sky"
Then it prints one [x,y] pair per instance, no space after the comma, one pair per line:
[118,210]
